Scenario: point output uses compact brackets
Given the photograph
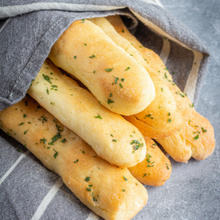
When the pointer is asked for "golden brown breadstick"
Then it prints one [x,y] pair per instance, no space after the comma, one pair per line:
[109,134]
[161,118]
[155,169]
[110,191]
[113,76]
[196,137]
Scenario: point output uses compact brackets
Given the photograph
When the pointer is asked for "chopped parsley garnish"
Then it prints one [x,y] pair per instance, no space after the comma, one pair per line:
[58,128]
[125,178]
[110,95]
[94,71]
[93,56]
[169,114]
[52,103]
[114,140]
[21,123]
[83,20]
[203,130]
[110,101]
[26,103]
[19,150]
[136,144]
[162,89]
[166,69]
[25,132]
[76,161]
[122,79]
[43,119]
[64,140]
[56,153]
[127,68]
[191,105]
[24,115]
[109,69]
[178,93]
[167,166]
[123,30]
[85,44]
[43,140]
[47,78]
[149,115]
[144,175]
[87,179]
[196,137]
[88,189]
[98,116]
[116,80]
[120,85]
[75,57]
[47,91]
[123,190]
[55,138]
[165,75]
[169,120]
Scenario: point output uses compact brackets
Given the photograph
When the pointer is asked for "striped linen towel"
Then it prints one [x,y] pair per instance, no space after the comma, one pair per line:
[28,29]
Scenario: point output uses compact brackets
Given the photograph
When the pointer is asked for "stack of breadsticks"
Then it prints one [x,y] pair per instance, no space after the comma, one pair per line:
[98,138]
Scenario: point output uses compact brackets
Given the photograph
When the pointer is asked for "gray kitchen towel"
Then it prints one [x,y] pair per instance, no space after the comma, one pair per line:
[28,29]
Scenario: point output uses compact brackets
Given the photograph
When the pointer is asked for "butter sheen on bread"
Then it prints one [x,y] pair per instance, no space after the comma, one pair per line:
[99,185]
[113,76]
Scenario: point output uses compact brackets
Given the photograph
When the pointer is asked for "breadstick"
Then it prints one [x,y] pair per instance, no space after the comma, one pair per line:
[113,76]
[109,134]
[161,118]
[110,191]
[196,137]
[155,169]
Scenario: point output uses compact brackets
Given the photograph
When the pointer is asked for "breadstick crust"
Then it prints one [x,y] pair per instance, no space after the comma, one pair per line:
[113,76]
[105,190]
[162,117]
[109,134]
[183,144]
[156,169]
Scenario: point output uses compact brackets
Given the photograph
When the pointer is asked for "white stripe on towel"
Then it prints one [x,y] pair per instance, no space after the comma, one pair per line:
[190,86]
[164,54]
[47,199]
[92,216]
[13,166]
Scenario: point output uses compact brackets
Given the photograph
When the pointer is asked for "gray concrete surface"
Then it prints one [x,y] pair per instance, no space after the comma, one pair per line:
[193,191]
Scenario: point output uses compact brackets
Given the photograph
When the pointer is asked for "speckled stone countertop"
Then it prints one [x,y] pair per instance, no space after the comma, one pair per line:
[193,191]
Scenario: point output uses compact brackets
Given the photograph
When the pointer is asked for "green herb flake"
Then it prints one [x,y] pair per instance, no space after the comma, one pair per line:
[114,140]
[47,78]
[64,140]
[109,69]
[161,89]
[85,44]
[120,85]
[76,161]
[123,190]
[25,132]
[87,179]
[43,140]
[83,20]
[93,56]
[127,68]
[56,153]
[191,105]
[55,138]
[123,30]
[203,130]
[144,175]
[52,103]
[98,116]
[125,178]
[136,144]
[26,103]
[165,75]
[110,95]
[47,91]
[196,137]
[75,57]
[21,123]
[169,120]
[19,150]
[110,101]
[122,79]
[94,71]
[167,166]
[24,115]
[169,114]
[88,189]
[173,72]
